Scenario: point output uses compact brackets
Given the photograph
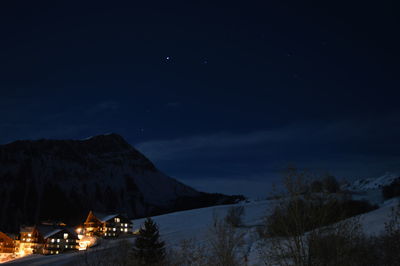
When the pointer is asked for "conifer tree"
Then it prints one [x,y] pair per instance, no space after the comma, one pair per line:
[148,248]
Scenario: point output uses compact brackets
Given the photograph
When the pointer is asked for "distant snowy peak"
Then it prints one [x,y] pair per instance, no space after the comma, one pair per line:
[367,184]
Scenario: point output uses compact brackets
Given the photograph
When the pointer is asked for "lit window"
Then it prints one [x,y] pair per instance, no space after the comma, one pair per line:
[126,229]
[65,236]
[29,235]
[52,241]
[114,229]
[57,252]
[58,240]
[117,220]
[58,246]
[66,246]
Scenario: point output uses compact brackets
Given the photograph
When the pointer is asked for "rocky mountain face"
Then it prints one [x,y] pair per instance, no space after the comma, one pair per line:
[61,180]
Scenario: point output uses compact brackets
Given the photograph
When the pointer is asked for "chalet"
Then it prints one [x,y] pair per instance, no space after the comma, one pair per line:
[107,225]
[30,240]
[47,239]
[7,244]
[58,240]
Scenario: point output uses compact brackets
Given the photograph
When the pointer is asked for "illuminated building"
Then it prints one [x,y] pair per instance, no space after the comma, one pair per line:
[107,225]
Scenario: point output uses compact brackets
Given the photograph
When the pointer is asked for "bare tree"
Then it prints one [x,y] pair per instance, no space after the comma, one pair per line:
[303,228]
[234,216]
[188,253]
[390,242]
[223,246]
[225,243]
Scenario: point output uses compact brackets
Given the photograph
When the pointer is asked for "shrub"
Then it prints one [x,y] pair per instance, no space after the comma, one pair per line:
[307,228]
[316,186]
[234,216]
[392,190]
[225,242]
[330,184]
[223,247]
[300,215]
[390,242]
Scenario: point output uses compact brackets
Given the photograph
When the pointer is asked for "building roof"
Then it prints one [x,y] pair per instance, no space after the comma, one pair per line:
[27,229]
[49,234]
[105,217]
[102,217]
[5,237]
[48,231]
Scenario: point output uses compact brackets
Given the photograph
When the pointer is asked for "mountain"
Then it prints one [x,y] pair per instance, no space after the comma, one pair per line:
[373,183]
[61,180]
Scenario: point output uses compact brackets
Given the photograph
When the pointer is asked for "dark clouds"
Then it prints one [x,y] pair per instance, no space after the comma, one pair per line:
[346,148]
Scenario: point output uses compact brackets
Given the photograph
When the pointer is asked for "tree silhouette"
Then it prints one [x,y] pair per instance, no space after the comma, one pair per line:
[148,248]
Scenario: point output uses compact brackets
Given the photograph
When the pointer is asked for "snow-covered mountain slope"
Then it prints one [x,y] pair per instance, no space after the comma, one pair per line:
[372,183]
[63,179]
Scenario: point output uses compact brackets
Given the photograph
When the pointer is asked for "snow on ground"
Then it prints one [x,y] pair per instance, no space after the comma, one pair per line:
[174,227]
[195,224]
[373,223]
[373,183]
[71,258]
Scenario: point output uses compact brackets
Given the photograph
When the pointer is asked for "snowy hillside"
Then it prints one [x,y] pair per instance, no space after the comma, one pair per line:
[367,184]
[194,225]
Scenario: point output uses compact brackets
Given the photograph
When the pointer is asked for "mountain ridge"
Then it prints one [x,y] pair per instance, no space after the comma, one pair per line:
[63,179]
[372,183]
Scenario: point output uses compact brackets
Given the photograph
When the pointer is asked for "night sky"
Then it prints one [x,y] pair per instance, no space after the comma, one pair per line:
[219,96]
